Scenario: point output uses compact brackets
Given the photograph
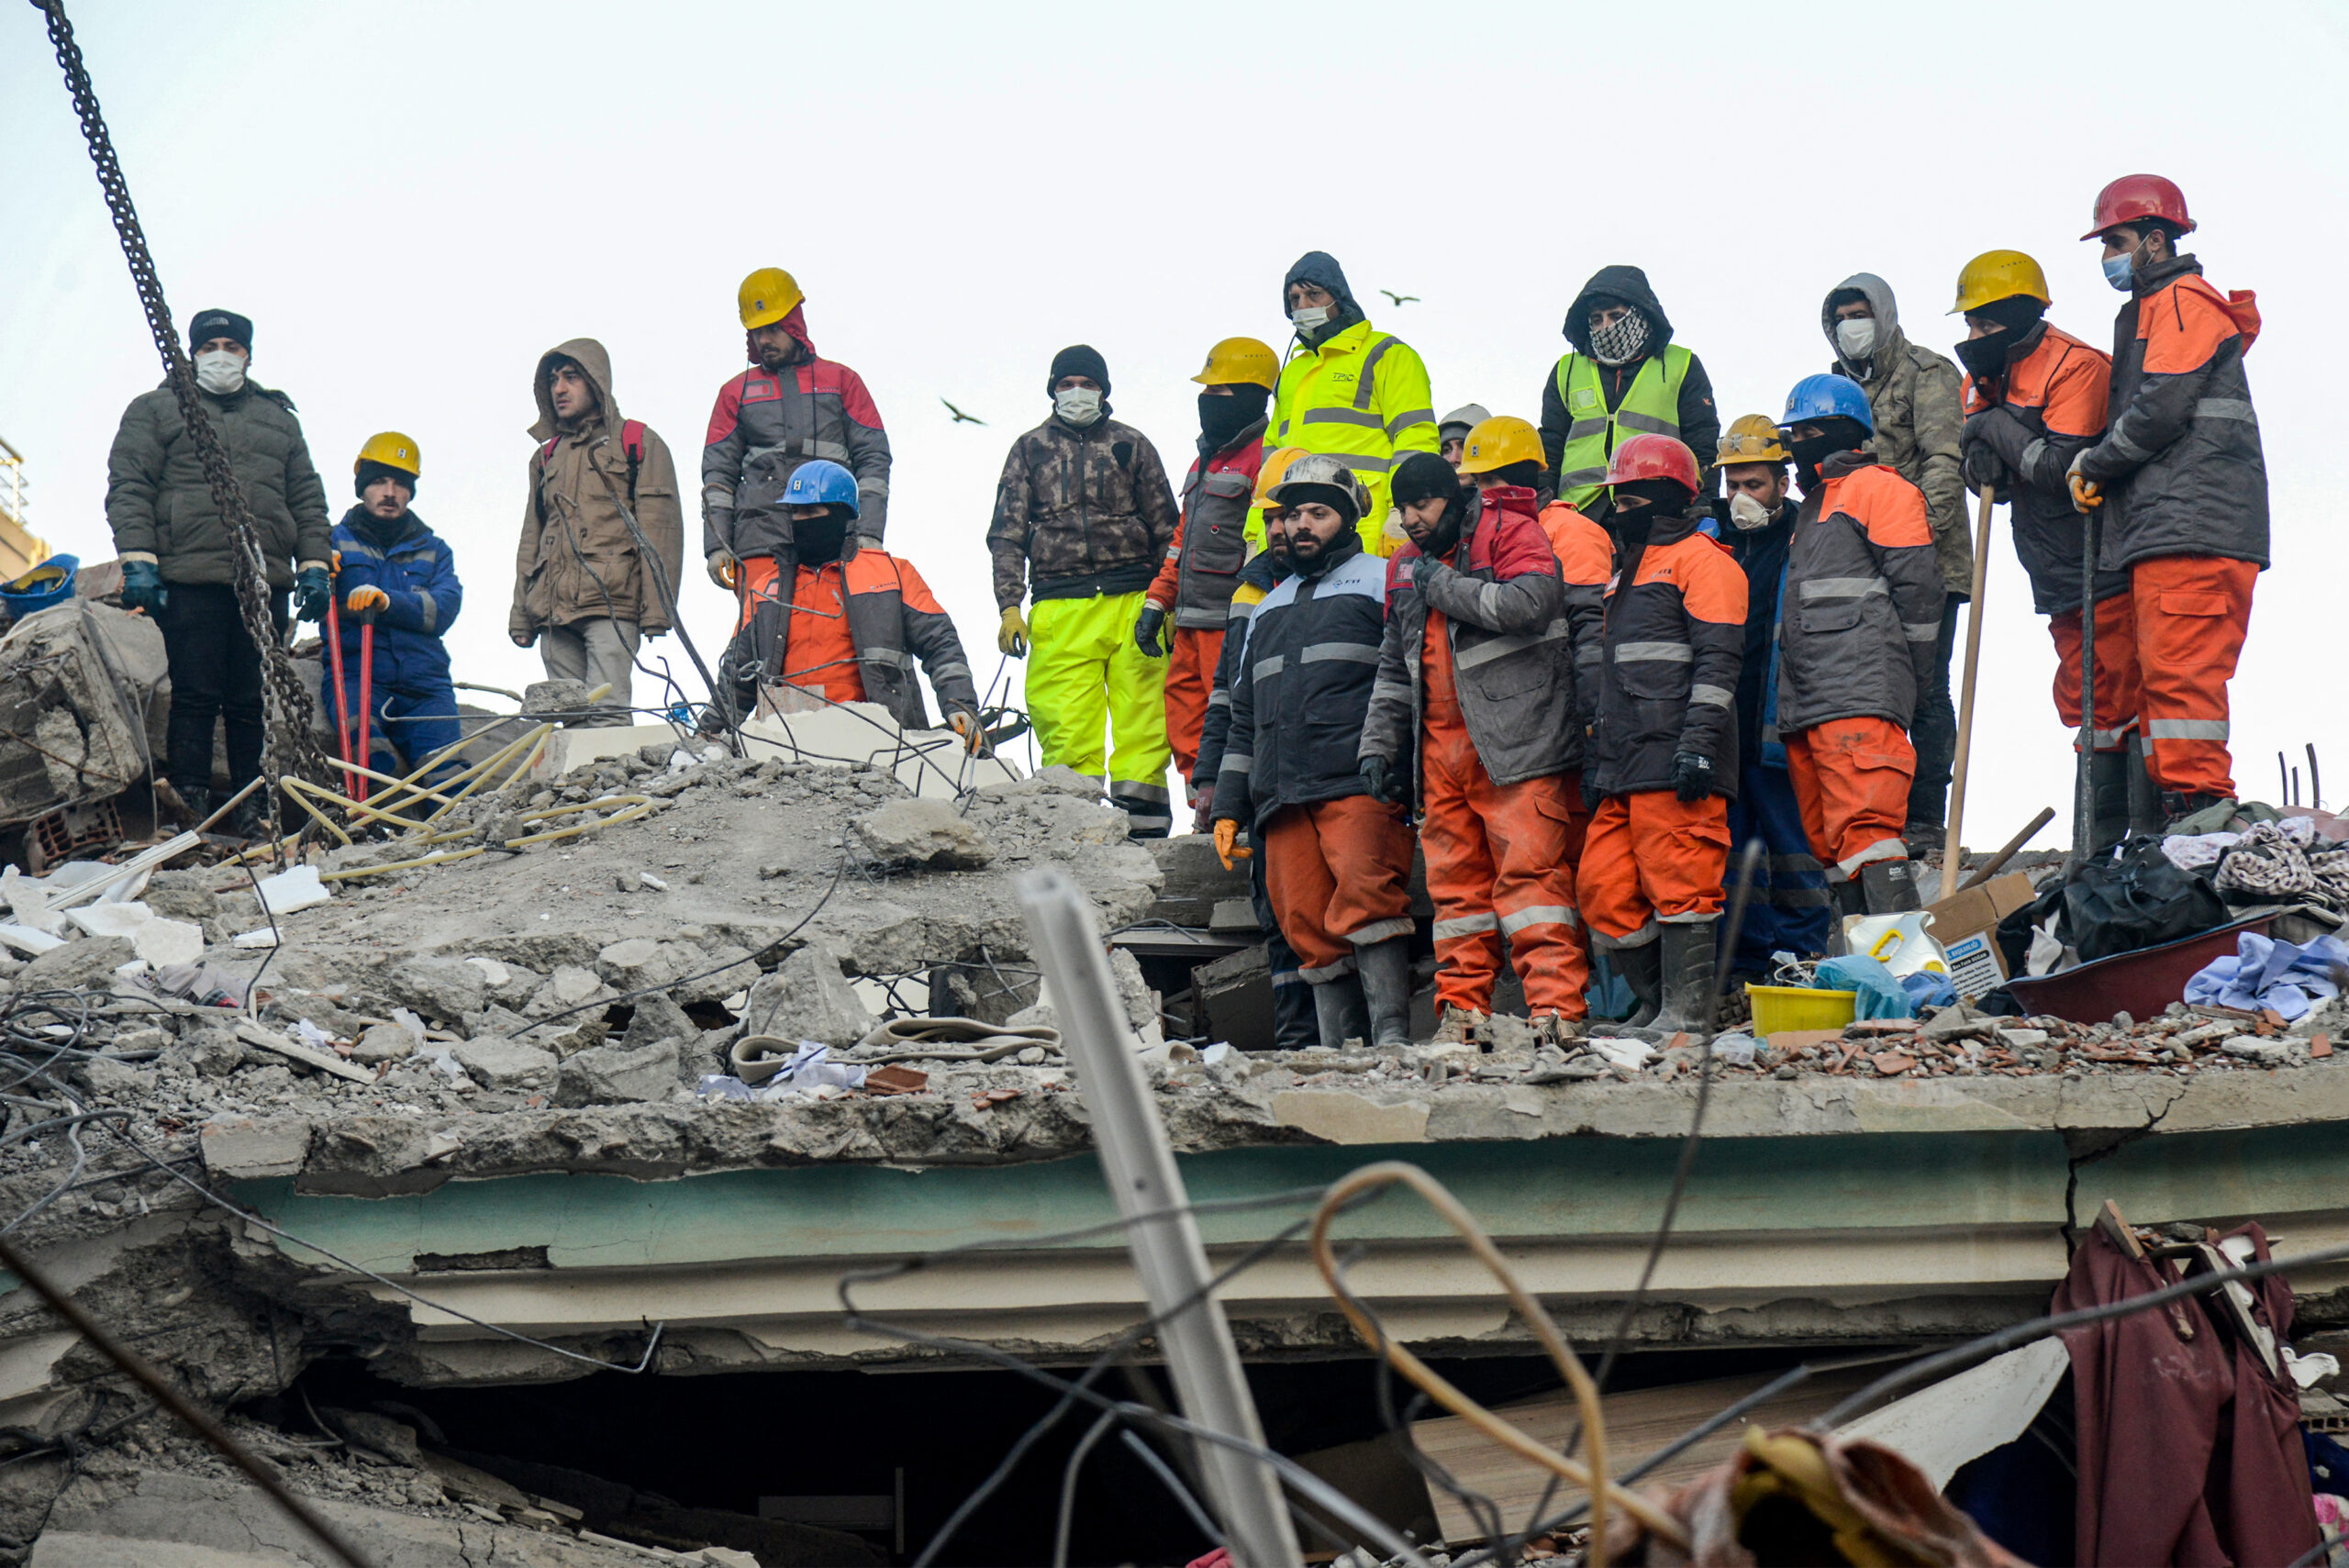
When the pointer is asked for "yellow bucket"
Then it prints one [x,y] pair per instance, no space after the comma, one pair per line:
[1779,1008]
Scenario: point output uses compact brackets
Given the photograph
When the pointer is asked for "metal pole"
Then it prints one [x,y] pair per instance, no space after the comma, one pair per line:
[2084,782]
[1167,1252]
[1965,702]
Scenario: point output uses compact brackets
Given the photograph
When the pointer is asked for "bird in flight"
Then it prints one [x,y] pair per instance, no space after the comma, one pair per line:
[1401,299]
[960,418]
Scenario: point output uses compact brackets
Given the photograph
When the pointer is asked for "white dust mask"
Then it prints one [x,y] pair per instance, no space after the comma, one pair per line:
[1078,406]
[220,371]
[1857,338]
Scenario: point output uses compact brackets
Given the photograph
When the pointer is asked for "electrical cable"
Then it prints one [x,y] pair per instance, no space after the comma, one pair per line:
[1061,1529]
[1173,1483]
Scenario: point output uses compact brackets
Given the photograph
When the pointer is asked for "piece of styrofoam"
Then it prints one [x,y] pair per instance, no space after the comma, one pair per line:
[163,941]
[112,919]
[291,890]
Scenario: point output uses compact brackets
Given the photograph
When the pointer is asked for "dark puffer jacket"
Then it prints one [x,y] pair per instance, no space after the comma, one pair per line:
[1674,641]
[2048,410]
[1258,578]
[1079,513]
[1862,614]
[158,502]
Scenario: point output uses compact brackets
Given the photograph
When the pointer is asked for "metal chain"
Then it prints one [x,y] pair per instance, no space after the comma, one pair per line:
[292,748]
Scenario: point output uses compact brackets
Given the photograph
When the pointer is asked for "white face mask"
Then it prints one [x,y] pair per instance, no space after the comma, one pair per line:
[1747,513]
[1857,338]
[1078,406]
[220,371]
[1310,317]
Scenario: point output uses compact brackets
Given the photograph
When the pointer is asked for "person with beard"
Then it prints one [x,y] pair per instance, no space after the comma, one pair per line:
[2034,400]
[791,407]
[1664,762]
[1787,910]
[1474,714]
[1624,377]
[1350,390]
[1451,431]
[1856,645]
[1082,519]
[1295,1027]
[1337,859]
[392,570]
[1195,587]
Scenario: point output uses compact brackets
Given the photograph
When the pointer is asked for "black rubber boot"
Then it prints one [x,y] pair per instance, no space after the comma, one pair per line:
[1849,899]
[1888,887]
[1338,1009]
[197,798]
[1688,964]
[1387,987]
[2145,815]
[1295,1027]
[2108,793]
[1642,970]
[250,821]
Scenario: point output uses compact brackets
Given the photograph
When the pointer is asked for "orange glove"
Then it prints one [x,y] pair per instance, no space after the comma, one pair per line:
[1226,832]
[2087,494]
[973,734]
[366,601]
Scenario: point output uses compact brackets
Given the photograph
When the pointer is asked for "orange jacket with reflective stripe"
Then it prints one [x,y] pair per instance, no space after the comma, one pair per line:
[1862,613]
[2050,410]
[1674,642]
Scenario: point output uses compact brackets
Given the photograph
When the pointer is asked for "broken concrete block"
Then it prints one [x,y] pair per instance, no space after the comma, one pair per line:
[164,942]
[496,1062]
[723,970]
[243,1148]
[658,1018]
[124,1082]
[553,696]
[807,999]
[1141,1008]
[509,983]
[618,1075]
[2251,1048]
[381,1435]
[569,986]
[641,962]
[90,962]
[443,988]
[928,833]
[384,1042]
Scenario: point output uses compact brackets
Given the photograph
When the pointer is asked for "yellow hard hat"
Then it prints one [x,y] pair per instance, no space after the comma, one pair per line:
[767,297]
[1239,360]
[393,450]
[1751,438]
[1275,470]
[1998,274]
[1498,441]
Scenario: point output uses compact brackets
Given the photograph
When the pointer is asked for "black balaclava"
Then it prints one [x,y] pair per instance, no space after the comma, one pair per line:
[1843,434]
[1079,359]
[818,542]
[370,471]
[1423,476]
[1525,473]
[1222,418]
[1640,502]
[1987,357]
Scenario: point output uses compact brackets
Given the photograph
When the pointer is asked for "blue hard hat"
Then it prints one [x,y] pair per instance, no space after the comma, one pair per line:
[1823,397]
[821,483]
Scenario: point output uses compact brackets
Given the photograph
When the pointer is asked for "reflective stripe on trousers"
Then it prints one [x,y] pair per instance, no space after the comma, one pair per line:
[1085,677]
[2189,616]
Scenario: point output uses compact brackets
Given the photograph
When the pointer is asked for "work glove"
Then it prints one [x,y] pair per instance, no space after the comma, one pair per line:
[1983,467]
[142,586]
[1011,637]
[364,602]
[1227,832]
[723,568]
[1379,775]
[2087,494]
[313,591]
[1203,817]
[1692,775]
[966,723]
[1149,630]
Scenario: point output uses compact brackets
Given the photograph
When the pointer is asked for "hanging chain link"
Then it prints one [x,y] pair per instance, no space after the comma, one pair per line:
[292,748]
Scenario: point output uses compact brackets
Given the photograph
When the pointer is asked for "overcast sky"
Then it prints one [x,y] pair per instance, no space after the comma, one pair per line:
[414,201]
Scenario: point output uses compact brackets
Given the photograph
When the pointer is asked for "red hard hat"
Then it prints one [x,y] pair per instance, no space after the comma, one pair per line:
[2133,197]
[1652,457]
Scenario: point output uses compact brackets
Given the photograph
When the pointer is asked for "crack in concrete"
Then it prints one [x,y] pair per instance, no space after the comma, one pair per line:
[2128,1137]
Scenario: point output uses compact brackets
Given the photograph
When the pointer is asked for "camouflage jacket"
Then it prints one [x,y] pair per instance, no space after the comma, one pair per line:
[1080,513]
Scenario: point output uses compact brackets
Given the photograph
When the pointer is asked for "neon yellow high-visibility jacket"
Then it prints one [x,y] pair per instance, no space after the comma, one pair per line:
[1361,395]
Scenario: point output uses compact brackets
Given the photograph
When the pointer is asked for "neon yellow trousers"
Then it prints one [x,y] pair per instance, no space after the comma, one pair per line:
[1086,676]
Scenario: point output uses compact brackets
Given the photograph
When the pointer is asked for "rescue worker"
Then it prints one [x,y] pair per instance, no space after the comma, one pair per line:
[178,556]
[1295,1025]
[1913,398]
[1194,588]
[1475,716]
[1350,390]
[2181,460]
[1451,431]
[1338,860]
[1624,377]
[2034,400]
[390,569]
[860,617]
[791,407]
[1083,518]
[1505,451]
[603,534]
[1856,641]
[1788,908]
[1663,763]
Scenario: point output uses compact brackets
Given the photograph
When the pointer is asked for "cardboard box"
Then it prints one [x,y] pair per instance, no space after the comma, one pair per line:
[1966,925]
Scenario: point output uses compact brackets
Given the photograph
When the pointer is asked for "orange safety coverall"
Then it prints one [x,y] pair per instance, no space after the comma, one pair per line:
[1338,873]
[820,655]
[1851,779]
[1649,857]
[2116,693]
[2191,613]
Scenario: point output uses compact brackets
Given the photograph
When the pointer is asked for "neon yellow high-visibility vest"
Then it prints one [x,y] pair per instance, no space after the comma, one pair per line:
[1652,406]
[1362,396]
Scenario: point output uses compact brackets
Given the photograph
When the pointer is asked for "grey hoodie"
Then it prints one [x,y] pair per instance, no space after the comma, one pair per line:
[1917,398]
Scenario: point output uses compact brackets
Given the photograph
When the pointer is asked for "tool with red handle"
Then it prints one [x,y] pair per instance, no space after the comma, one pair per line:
[363,754]
[341,702]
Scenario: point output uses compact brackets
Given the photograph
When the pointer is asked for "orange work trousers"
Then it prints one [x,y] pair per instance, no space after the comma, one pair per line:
[2116,671]
[1338,875]
[1190,676]
[1500,864]
[1851,779]
[1650,857]
[2191,614]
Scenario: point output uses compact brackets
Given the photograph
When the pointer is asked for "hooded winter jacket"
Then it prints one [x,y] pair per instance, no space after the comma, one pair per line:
[1303,689]
[1259,577]
[159,504]
[1079,513]
[2182,455]
[577,559]
[1211,541]
[1351,391]
[765,425]
[2048,409]
[416,568]
[1694,420]
[1861,614]
[1914,395]
[1673,640]
[1511,635]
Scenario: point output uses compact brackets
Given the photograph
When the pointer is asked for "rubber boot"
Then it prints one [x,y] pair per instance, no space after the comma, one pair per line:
[1849,899]
[1687,964]
[1295,1026]
[1385,970]
[1338,1009]
[2108,795]
[1888,887]
[2145,814]
[197,798]
[1642,970]
[250,821]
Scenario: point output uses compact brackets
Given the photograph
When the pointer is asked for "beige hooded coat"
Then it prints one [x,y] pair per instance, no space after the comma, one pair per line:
[577,559]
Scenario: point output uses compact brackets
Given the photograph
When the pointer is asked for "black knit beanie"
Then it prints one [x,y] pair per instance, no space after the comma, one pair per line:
[1079,359]
[207,324]
[1424,476]
[370,471]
